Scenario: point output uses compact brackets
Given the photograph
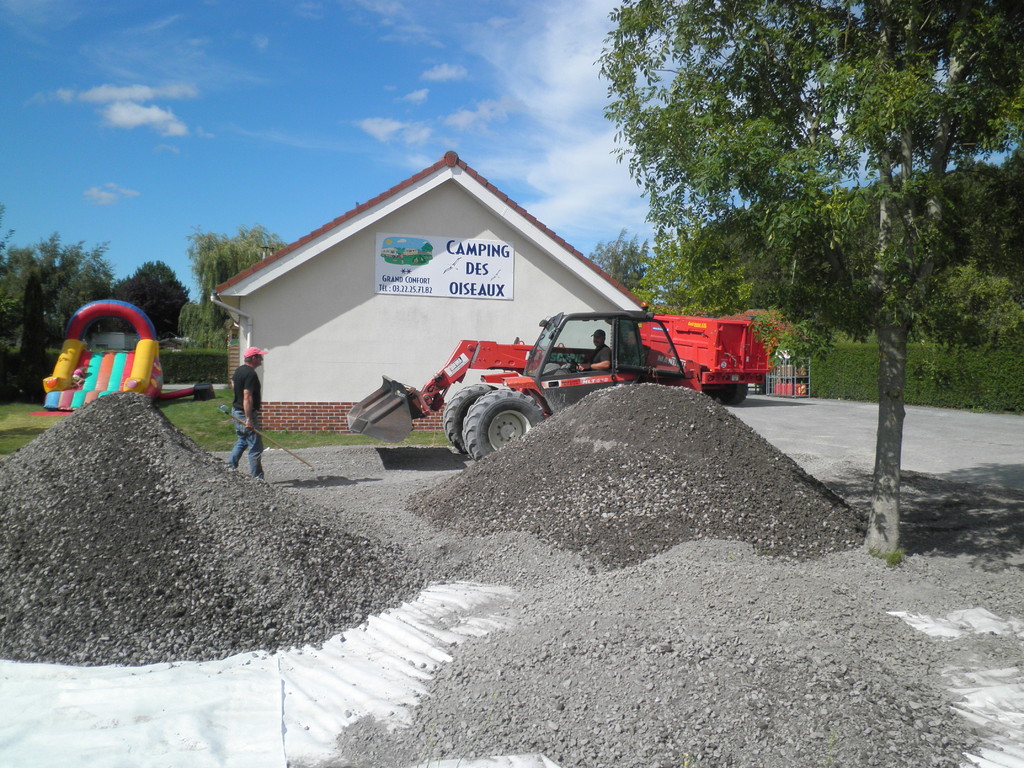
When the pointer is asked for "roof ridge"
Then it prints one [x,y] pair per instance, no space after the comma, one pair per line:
[450,159]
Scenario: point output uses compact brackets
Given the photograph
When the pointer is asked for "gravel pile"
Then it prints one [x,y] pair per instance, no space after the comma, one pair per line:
[708,655]
[122,541]
[629,472]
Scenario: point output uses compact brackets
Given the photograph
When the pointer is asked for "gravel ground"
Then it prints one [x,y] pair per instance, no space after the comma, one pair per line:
[634,645]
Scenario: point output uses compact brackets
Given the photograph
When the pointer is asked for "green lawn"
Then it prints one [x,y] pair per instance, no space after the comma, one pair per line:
[201,421]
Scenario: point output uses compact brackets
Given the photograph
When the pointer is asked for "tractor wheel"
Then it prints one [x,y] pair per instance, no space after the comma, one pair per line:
[498,418]
[455,413]
[734,394]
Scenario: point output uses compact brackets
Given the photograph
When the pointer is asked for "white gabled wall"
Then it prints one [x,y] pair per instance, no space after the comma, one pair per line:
[331,336]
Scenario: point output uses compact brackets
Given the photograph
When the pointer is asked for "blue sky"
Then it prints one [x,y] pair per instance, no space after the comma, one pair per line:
[136,123]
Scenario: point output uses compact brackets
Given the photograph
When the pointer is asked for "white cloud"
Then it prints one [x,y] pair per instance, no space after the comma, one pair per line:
[49,14]
[416,133]
[310,10]
[444,73]
[124,107]
[417,97]
[261,43]
[384,129]
[128,115]
[479,118]
[546,63]
[547,59]
[381,128]
[585,190]
[102,94]
[108,194]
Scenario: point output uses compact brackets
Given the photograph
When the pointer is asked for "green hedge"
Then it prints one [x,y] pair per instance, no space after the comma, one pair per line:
[193,365]
[968,379]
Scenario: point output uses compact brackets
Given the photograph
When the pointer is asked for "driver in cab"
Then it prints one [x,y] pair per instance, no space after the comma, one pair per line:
[601,358]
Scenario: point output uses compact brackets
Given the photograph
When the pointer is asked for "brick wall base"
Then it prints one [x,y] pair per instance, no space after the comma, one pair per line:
[324,417]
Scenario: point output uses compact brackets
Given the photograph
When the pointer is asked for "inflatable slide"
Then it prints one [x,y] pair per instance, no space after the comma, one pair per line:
[81,375]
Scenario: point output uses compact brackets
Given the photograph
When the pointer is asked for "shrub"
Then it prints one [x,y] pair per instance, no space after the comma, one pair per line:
[192,365]
[961,378]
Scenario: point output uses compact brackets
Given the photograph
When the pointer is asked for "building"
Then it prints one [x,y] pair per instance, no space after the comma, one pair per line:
[392,286]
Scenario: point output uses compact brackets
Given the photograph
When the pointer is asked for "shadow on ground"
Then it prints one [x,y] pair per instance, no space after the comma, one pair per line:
[324,481]
[982,523]
[428,459]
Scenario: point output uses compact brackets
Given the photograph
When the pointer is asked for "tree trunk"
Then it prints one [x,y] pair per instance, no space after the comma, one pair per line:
[883,535]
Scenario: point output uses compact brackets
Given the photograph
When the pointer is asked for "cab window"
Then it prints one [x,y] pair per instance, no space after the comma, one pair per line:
[574,344]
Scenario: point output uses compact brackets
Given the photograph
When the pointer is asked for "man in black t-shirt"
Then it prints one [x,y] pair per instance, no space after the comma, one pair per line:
[601,357]
[246,409]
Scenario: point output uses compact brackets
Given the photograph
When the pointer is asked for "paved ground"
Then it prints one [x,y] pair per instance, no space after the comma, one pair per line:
[980,448]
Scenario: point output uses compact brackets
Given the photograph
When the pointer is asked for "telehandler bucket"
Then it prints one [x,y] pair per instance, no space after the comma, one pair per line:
[385,414]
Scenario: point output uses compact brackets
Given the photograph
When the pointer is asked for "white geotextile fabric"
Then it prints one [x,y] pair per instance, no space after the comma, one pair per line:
[992,699]
[252,710]
[258,710]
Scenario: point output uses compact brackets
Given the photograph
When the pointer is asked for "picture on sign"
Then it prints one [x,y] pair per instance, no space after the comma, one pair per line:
[448,267]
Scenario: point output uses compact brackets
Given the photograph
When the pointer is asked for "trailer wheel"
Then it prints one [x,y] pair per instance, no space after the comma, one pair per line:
[498,418]
[455,413]
[734,394]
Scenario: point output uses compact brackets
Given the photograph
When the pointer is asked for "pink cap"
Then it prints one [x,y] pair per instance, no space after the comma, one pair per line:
[253,351]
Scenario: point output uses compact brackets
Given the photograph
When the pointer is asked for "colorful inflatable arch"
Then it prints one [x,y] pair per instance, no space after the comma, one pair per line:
[104,372]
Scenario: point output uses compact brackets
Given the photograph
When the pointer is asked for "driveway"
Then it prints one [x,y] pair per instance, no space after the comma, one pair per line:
[978,448]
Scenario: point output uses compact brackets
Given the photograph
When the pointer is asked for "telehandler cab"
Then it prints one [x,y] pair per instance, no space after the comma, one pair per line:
[525,384]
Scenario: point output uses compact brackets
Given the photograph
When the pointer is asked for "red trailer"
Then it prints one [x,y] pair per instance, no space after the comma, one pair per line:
[728,355]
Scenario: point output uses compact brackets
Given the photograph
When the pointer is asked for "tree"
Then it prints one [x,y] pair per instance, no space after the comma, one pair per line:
[624,259]
[156,290]
[834,125]
[216,258]
[9,306]
[4,236]
[981,300]
[32,358]
[70,276]
[681,281]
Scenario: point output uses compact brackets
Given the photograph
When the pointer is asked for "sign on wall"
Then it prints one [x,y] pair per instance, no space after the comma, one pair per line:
[449,267]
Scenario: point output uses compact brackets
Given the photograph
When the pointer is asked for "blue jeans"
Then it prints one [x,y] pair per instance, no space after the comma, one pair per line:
[247,439]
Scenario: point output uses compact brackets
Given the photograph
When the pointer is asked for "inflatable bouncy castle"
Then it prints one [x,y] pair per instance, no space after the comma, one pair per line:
[80,375]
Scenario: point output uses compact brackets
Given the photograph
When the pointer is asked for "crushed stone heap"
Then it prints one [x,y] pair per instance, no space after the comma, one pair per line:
[629,472]
[123,542]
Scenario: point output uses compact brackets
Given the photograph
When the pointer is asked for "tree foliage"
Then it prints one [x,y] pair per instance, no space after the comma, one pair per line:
[624,259]
[833,127]
[10,308]
[681,280]
[156,290]
[980,300]
[70,276]
[32,357]
[216,258]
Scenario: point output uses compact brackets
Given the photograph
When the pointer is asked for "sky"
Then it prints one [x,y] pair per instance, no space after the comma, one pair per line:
[136,124]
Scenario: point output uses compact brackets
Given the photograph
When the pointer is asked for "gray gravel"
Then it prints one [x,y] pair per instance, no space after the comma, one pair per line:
[640,469]
[706,652]
[689,649]
[121,541]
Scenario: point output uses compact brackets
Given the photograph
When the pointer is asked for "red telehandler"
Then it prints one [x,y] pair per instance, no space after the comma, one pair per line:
[720,357]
